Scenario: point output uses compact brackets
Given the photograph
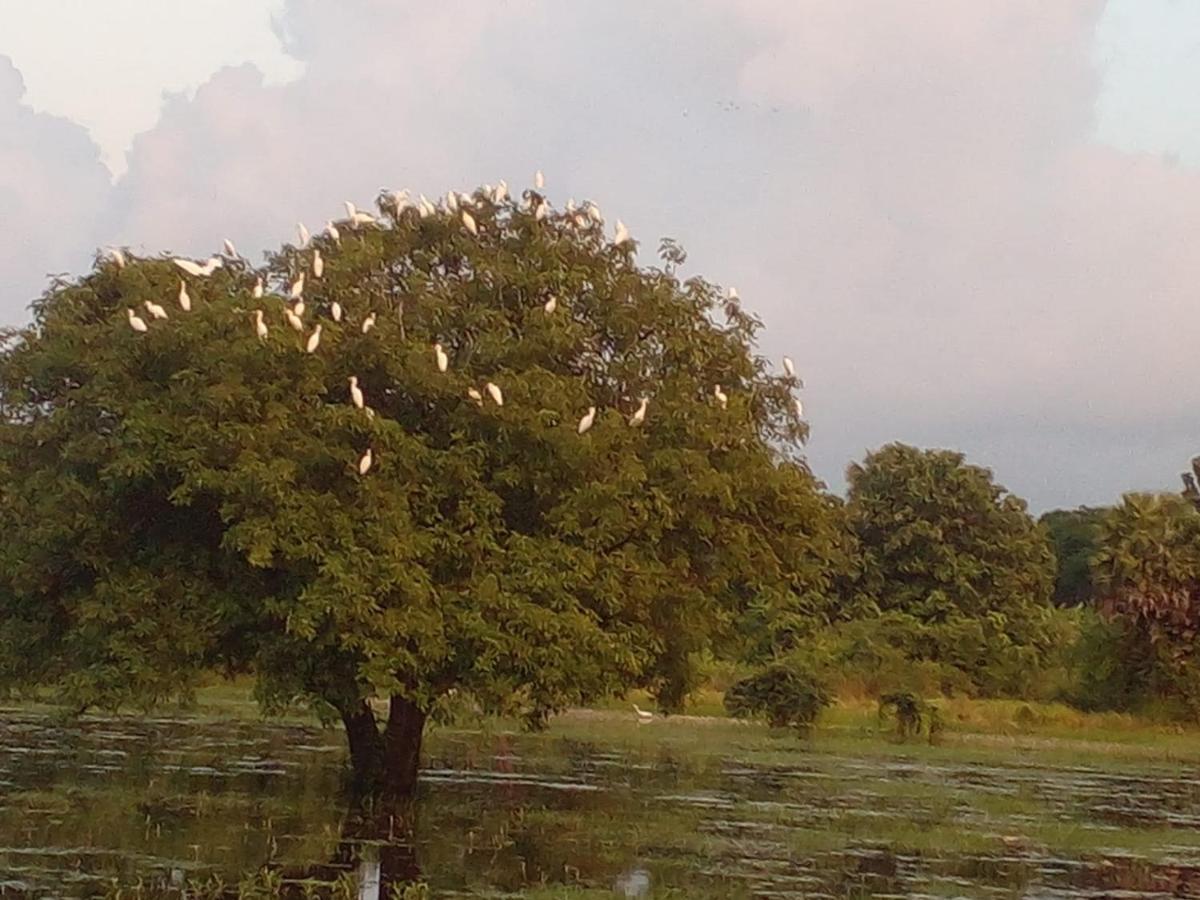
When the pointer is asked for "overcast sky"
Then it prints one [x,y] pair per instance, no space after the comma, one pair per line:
[974,225]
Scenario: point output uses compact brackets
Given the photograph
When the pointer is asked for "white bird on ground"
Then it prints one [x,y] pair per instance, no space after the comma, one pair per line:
[356,394]
[501,193]
[318,264]
[118,256]
[468,221]
[335,311]
[230,250]
[297,287]
[294,320]
[539,180]
[622,234]
[639,415]
[642,715]
[136,322]
[494,393]
[365,461]
[192,268]
[721,396]
[258,289]
[260,327]
[543,209]
[314,340]
[588,419]
[799,409]
[185,302]
[551,305]
[298,308]
[440,357]
[303,234]
[475,395]
[154,309]
[789,366]
[368,323]
[332,231]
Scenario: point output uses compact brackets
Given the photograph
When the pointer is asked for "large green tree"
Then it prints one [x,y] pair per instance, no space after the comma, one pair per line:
[1147,578]
[197,495]
[953,560]
[1075,534]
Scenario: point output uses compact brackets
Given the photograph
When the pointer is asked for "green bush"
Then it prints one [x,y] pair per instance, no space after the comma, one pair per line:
[787,693]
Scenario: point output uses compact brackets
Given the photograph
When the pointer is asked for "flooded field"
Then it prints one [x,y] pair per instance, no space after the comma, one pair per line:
[596,807]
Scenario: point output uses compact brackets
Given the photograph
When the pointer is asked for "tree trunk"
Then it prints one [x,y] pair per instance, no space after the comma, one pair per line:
[366,747]
[402,749]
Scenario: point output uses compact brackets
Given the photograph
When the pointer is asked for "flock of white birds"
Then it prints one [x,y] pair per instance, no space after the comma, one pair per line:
[455,203]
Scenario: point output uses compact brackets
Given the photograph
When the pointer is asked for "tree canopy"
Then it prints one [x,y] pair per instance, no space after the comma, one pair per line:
[1075,536]
[189,496]
[953,558]
[1147,577]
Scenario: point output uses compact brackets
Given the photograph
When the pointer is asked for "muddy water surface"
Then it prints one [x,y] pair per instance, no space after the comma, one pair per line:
[90,803]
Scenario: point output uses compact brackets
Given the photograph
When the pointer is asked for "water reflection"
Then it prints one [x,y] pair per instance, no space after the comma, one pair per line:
[173,801]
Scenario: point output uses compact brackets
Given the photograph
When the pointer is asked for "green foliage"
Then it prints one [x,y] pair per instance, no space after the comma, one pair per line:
[787,693]
[188,498]
[1075,536]
[1147,577]
[958,568]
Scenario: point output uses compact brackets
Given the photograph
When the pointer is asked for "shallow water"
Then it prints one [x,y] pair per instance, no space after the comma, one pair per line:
[165,800]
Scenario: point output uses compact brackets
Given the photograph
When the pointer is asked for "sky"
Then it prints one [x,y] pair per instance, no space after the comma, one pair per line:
[973,225]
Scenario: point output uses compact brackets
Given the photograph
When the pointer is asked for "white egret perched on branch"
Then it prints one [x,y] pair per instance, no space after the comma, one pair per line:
[136,322]
[539,180]
[332,231]
[501,193]
[468,221]
[260,327]
[440,357]
[588,419]
[639,415]
[799,408]
[475,395]
[200,271]
[118,256]
[543,209]
[621,235]
[365,461]
[551,305]
[318,264]
[292,319]
[356,394]
[335,311]
[185,302]
[154,309]
[451,201]
[494,392]
[230,250]
[368,323]
[722,398]
[303,234]
[314,340]
[298,307]
[789,366]
[297,287]
[258,288]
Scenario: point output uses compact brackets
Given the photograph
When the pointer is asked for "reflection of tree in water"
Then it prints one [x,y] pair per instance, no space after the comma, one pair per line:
[377,846]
